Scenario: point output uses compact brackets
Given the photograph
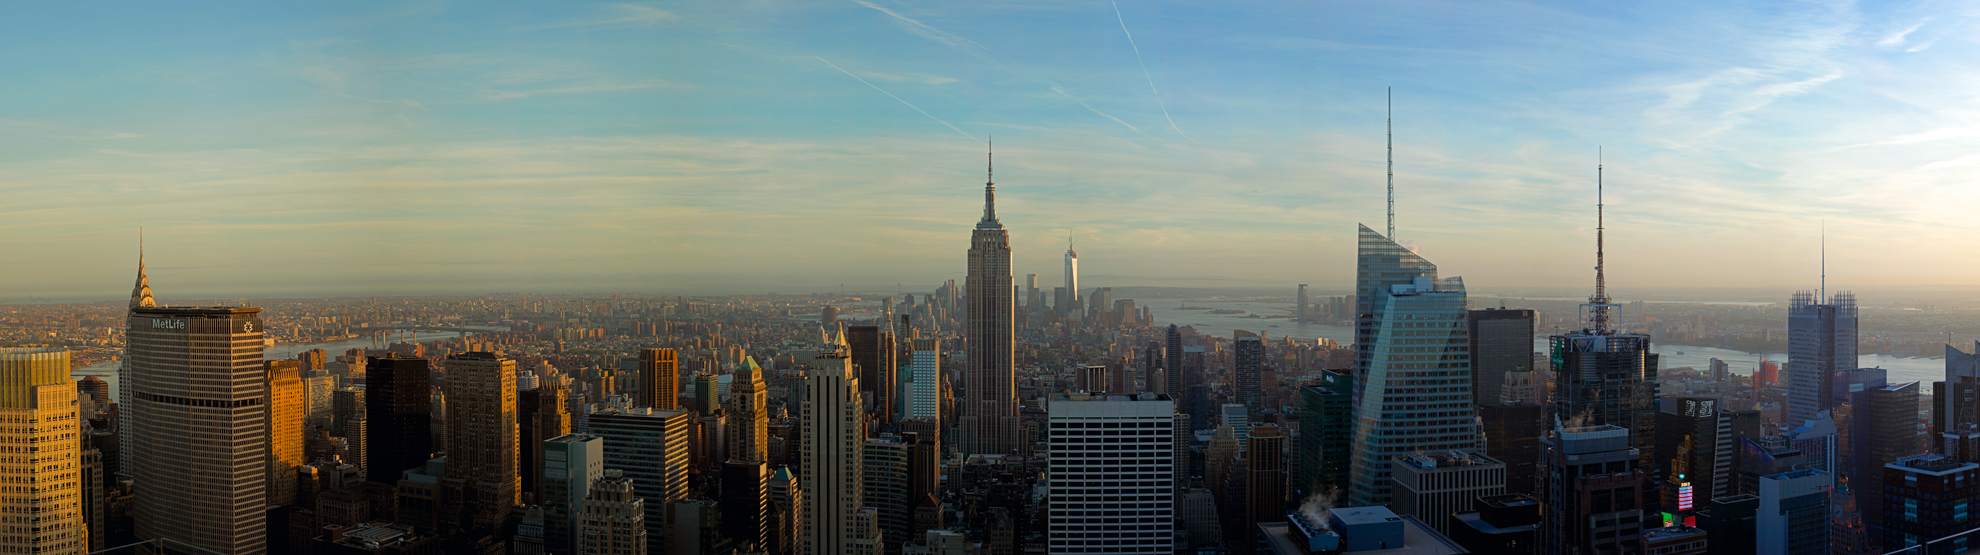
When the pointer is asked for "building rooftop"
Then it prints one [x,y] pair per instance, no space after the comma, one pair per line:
[1509,500]
[1930,463]
[1105,396]
[1446,459]
[1418,539]
[1674,533]
[208,311]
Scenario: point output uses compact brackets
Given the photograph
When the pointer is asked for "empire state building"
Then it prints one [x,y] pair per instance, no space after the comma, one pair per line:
[990,411]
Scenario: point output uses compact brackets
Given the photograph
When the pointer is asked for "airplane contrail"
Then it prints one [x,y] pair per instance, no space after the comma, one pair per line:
[984,54]
[1151,79]
[891,95]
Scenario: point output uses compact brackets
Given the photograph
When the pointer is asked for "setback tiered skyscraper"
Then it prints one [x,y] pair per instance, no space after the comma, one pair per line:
[990,412]
[833,435]
[749,414]
[1415,394]
[45,501]
[198,433]
[1821,340]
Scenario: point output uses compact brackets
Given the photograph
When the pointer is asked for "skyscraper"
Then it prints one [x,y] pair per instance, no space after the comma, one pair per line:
[44,500]
[833,434]
[1109,451]
[1326,434]
[284,403]
[749,414]
[1891,414]
[195,423]
[990,413]
[925,387]
[571,463]
[1793,518]
[1264,477]
[1379,263]
[885,486]
[659,372]
[1931,497]
[650,447]
[614,518]
[1408,401]
[1694,449]
[1172,363]
[544,414]
[1302,303]
[1072,280]
[1821,340]
[1248,359]
[1501,342]
[1434,486]
[1603,376]
[874,355]
[199,434]
[398,412]
[482,454]
[1593,491]
[746,503]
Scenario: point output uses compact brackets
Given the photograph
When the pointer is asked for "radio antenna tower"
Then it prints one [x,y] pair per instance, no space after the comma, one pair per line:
[1599,304]
[1392,163]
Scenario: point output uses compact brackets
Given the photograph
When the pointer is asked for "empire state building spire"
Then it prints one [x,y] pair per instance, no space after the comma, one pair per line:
[990,192]
[141,293]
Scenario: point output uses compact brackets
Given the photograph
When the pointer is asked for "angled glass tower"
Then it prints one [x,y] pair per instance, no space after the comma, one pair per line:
[1414,389]
[1379,264]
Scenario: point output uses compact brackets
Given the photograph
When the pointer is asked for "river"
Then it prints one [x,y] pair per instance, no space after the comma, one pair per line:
[1166,311]
[107,371]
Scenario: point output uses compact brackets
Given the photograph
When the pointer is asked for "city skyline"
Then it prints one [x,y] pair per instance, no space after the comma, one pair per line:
[532,150]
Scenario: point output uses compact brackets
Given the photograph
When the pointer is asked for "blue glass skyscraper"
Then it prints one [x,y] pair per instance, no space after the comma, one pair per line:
[1414,391]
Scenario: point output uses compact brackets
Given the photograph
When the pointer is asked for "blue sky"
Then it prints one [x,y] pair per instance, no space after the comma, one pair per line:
[337,148]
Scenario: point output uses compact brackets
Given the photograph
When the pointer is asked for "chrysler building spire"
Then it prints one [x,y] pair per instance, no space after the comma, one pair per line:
[141,293]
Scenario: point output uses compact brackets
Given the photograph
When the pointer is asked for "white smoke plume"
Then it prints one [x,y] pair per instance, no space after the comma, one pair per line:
[1316,507]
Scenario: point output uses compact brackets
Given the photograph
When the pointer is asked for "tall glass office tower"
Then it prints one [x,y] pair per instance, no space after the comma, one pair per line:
[1380,263]
[1821,340]
[1415,388]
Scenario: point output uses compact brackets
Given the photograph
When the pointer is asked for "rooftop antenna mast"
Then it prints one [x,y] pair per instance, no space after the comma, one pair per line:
[1392,163]
[1599,304]
[1825,262]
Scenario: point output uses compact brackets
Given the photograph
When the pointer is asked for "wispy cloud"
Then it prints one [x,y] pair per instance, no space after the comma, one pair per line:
[983,54]
[1898,38]
[910,78]
[497,95]
[628,14]
[958,130]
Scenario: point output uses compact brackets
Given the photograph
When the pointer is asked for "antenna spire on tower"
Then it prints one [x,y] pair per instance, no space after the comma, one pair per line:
[1599,304]
[1825,262]
[1392,163]
[990,185]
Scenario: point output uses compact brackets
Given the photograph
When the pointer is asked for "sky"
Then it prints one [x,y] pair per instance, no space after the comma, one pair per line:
[336,148]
